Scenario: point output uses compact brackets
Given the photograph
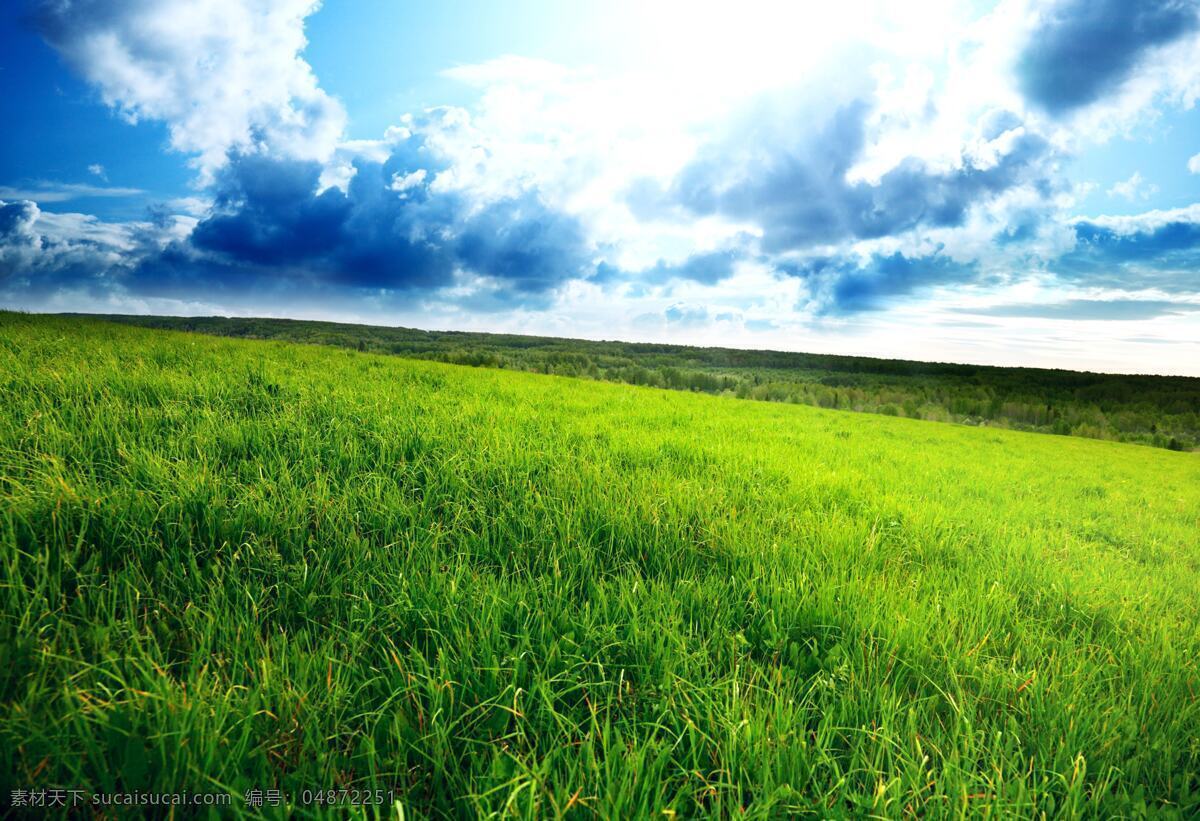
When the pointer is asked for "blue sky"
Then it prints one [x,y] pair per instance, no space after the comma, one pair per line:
[1010,182]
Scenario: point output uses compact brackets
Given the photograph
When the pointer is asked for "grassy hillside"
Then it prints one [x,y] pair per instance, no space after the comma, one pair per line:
[1163,411]
[228,565]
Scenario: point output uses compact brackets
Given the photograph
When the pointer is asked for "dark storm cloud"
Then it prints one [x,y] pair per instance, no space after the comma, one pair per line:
[796,188]
[179,270]
[382,233]
[525,244]
[1164,255]
[1083,49]
[273,228]
[271,213]
[268,212]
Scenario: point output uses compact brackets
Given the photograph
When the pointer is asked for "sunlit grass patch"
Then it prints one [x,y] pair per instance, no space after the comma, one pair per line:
[233,565]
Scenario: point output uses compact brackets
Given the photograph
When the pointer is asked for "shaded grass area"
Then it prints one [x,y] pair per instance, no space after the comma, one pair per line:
[229,565]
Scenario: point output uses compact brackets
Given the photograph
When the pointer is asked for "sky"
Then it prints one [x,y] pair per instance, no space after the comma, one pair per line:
[1010,182]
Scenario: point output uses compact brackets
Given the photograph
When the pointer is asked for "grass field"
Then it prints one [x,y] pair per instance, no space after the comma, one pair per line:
[1162,411]
[230,565]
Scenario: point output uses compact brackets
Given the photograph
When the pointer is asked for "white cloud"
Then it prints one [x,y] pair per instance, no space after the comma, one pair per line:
[222,74]
[403,182]
[1147,221]
[1133,189]
[39,241]
[192,206]
[97,170]
[46,191]
[1194,164]
[64,231]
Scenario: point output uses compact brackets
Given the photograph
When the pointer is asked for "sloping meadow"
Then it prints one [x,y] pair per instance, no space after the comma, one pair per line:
[232,565]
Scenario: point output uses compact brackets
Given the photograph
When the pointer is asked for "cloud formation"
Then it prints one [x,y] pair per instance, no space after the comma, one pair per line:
[378,234]
[796,186]
[18,240]
[842,285]
[1090,309]
[272,224]
[1159,249]
[1083,49]
[1134,188]
[681,313]
[43,252]
[222,74]
[705,267]
[46,191]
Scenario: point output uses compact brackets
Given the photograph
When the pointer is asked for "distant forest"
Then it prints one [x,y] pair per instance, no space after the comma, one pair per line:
[1163,411]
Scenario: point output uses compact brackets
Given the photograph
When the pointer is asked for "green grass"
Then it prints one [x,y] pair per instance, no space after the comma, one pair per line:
[228,564]
[1162,411]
